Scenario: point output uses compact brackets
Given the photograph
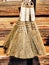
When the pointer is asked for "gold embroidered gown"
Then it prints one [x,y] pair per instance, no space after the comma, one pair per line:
[24,41]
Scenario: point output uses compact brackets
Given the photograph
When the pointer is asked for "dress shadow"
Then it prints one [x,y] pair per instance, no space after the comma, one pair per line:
[18,61]
[47,41]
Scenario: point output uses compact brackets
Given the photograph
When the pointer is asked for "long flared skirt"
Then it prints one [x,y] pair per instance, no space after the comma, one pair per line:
[25,41]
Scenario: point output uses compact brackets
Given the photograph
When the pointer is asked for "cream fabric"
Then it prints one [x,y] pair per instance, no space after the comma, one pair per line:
[24,41]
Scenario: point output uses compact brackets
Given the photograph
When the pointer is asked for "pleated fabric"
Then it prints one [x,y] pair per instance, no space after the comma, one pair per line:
[25,41]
